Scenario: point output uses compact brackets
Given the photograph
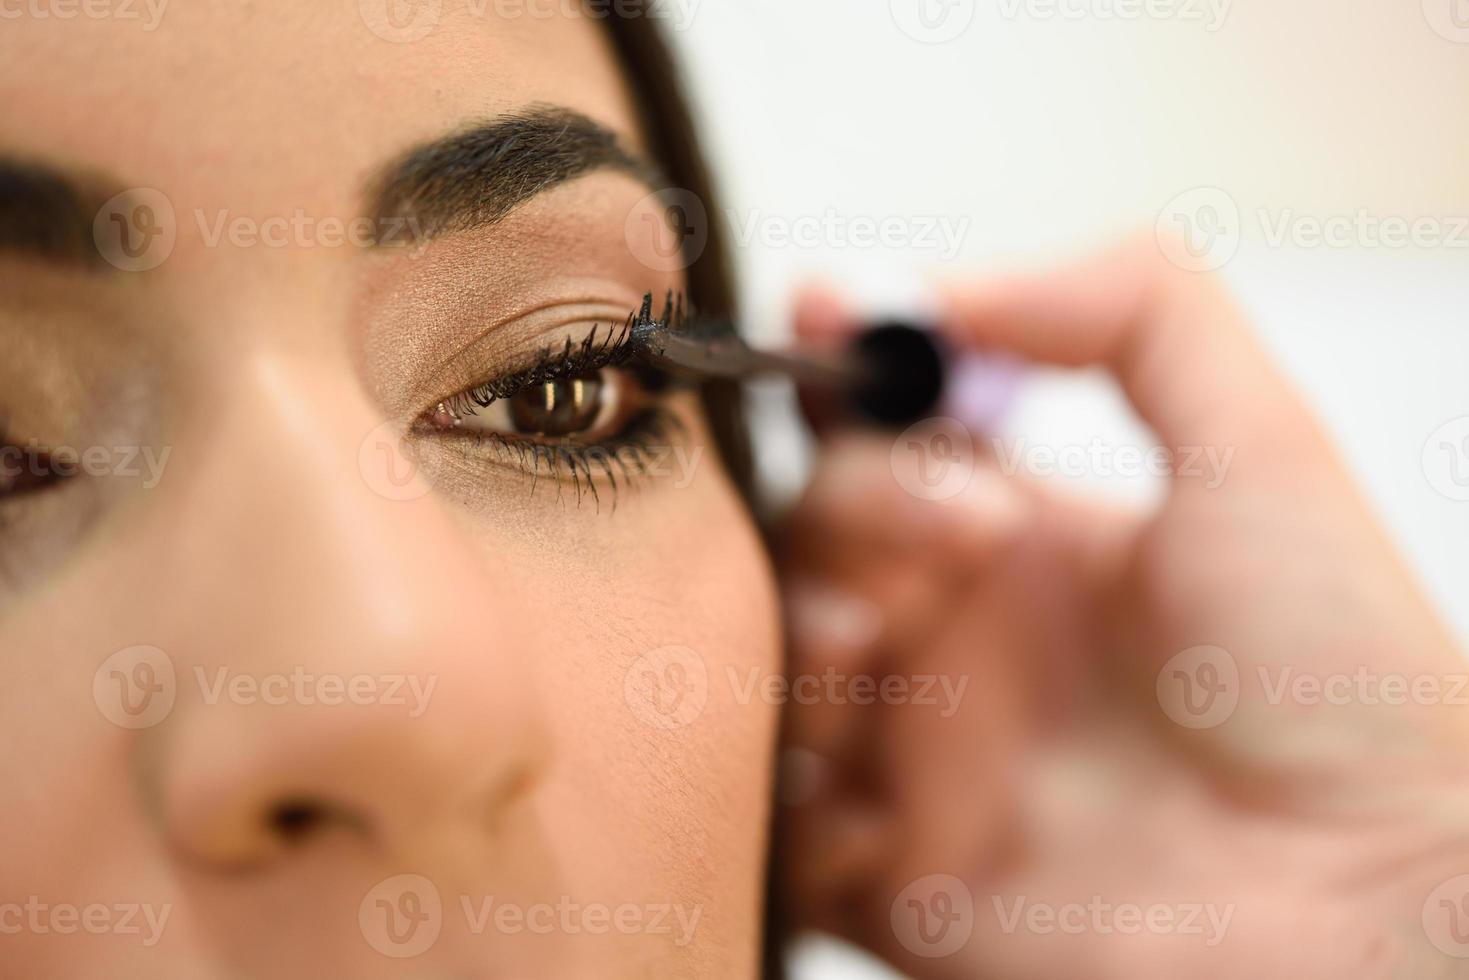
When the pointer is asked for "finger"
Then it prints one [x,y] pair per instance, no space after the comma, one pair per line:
[823,322]
[870,570]
[861,498]
[833,631]
[835,671]
[1174,340]
[822,316]
[834,854]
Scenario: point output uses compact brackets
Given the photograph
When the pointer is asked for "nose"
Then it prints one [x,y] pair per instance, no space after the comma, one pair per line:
[350,667]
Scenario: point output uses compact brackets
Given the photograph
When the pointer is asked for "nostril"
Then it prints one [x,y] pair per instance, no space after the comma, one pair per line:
[294,821]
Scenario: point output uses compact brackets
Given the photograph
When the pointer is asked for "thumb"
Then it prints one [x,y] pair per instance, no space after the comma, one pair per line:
[1176,343]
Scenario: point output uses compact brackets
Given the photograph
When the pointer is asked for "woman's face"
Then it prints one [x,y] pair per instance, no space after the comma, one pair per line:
[311,660]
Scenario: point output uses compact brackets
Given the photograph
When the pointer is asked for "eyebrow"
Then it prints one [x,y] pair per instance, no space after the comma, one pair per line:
[480,176]
[464,181]
[47,214]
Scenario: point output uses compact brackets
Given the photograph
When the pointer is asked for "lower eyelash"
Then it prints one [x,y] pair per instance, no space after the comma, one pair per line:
[621,461]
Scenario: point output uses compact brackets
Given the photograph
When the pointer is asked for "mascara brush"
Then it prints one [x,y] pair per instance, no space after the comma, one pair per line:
[892,374]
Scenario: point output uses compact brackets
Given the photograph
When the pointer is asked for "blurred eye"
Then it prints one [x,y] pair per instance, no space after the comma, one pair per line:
[583,407]
[25,470]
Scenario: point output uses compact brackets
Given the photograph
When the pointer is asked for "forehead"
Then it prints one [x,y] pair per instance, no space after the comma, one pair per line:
[280,100]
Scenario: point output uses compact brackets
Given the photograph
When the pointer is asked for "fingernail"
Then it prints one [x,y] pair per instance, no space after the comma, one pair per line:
[827,618]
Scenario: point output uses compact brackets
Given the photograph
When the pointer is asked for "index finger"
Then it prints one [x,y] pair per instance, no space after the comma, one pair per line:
[1175,341]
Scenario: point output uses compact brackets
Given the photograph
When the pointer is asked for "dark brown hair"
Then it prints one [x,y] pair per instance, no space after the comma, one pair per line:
[669,129]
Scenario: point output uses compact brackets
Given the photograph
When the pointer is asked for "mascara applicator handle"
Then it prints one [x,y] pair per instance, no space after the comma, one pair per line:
[903,369]
[909,373]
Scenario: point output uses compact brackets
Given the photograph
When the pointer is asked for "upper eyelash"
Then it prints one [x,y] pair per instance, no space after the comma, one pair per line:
[615,348]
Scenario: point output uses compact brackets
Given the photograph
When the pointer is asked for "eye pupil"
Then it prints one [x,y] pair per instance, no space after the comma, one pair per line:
[560,407]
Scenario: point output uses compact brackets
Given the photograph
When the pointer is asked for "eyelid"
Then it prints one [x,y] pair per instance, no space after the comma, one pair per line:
[506,336]
[604,345]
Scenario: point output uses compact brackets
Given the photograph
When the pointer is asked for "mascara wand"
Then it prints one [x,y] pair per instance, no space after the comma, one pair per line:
[892,374]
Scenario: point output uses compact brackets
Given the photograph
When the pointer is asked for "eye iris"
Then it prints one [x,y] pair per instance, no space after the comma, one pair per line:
[561,407]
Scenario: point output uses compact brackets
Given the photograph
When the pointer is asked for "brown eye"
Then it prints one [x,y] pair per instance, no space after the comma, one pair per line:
[585,407]
[563,407]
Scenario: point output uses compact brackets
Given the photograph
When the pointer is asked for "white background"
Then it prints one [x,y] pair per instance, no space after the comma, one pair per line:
[1049,128]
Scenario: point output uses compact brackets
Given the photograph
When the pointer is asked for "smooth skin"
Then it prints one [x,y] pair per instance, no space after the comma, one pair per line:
[534,775]
[1313,833]
[562,827]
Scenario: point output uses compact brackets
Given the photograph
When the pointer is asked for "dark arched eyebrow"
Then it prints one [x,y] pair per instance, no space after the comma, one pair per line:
[47,214]
[463,181]
[477,177]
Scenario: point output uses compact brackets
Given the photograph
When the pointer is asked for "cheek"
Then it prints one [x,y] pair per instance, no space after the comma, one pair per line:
[659,633]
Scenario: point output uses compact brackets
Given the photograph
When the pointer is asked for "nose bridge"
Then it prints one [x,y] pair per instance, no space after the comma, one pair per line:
[328,658]
[307,496]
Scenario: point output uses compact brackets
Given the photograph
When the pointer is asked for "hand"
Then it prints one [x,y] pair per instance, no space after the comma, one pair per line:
[1116,801]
